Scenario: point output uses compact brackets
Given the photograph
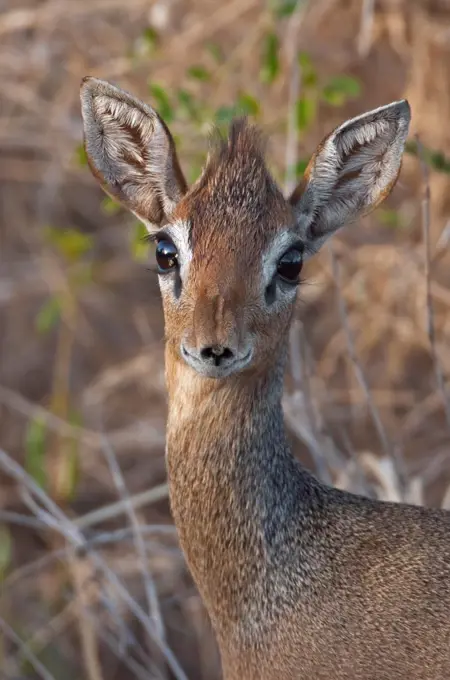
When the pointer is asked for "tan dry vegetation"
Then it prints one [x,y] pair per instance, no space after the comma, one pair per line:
[363,401]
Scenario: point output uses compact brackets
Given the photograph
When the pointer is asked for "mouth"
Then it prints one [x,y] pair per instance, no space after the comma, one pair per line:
[212,370]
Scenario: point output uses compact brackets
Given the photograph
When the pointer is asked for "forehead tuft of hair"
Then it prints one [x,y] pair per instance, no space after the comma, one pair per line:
[245,142]
[235,180]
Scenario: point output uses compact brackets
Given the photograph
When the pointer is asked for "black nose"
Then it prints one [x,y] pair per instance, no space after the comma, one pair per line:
[216,354]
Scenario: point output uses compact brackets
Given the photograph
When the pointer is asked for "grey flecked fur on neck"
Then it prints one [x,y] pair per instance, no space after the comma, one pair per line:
[289,568]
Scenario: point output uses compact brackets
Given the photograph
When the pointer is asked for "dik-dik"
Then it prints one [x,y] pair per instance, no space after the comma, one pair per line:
[300,580]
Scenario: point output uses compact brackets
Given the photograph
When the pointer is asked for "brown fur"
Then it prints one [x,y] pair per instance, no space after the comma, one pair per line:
[301,581]
[234,211]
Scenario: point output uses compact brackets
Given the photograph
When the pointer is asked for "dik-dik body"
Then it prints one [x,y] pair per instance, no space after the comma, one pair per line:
[300,580]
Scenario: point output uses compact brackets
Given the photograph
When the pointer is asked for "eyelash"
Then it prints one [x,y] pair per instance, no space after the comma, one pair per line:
[153,238]
[159,235]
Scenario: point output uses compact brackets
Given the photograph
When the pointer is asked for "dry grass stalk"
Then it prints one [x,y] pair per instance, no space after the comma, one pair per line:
[439,373]
[359,373]
[57,521]
[25,650]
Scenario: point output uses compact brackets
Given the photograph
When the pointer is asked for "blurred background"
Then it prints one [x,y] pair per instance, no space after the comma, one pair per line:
[92,582]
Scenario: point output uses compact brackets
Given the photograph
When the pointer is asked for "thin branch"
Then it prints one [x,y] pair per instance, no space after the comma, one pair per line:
[8,517]
[359,373]
[102,539]
[58,520]
[113,644]
[127,638]
[126,534]
[111,511]
[301,375]
[28,570]
[90,438]
[13,400]
[439,373]
[292,35]
[86,630]
[40,669]
[117,647]
[45,634]
[444,240]
[149,586]
[366,27]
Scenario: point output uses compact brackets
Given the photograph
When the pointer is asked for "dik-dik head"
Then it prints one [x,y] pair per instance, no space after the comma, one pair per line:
[231,248]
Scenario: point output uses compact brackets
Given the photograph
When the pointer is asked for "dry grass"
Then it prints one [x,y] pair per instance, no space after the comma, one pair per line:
[96,586]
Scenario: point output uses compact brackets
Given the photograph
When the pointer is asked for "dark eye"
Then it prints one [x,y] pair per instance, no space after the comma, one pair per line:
[290,266]
[166,256]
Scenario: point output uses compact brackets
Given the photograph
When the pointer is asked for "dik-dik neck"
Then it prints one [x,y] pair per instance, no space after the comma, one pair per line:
[234,484]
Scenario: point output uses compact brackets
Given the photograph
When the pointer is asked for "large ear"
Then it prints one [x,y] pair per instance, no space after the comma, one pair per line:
[352,171]
[131,152]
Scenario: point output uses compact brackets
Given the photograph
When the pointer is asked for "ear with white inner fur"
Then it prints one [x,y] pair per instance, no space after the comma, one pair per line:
[352,171]
[131,152]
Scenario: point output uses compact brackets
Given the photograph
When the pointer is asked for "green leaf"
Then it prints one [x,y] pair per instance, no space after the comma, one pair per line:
[284,8]
[68,471]
[80,155]
[187,105]
[305,112]
[71,243]
[333,98]
[309,79]
[151,38]
[83,274]
[340,89]
[199,73]
[35,440]
[5,550]
[109,206]
[69,474]
[438,161]
[215,51]
[48,315]
[145,45]
[140,245]
[309,73]
[194,172]
[248,105]
[305,61]
[346,84]
[162,100]
[177,140]
[391,218]
[269,59]
[435,159]
[301,166]
[225,114]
